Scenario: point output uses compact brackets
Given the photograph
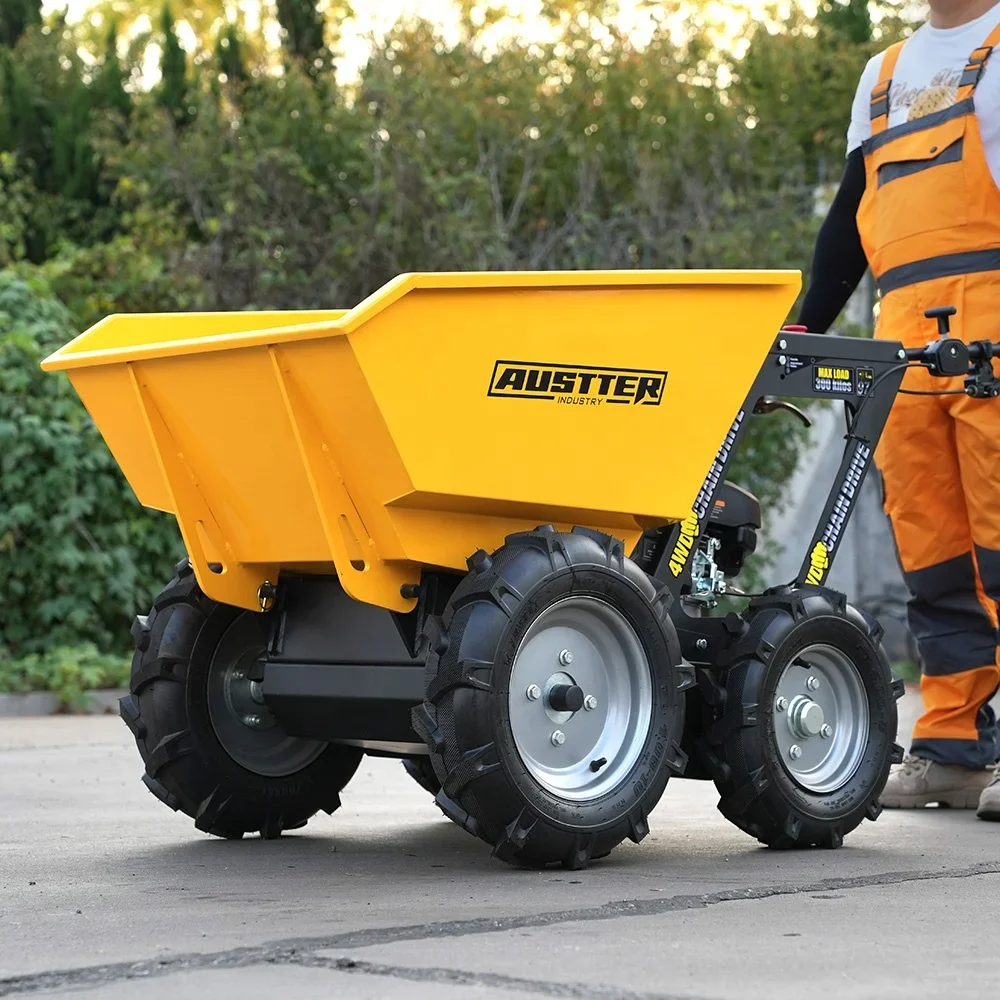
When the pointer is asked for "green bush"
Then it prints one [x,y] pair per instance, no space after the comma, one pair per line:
[67,671]
[78,554]
[253,190]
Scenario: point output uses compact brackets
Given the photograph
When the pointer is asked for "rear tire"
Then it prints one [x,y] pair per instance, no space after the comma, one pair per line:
[189,694]
[787,774]
[502,777]
[421,770]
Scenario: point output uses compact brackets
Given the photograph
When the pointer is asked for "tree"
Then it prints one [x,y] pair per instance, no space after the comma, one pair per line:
[110,84]
[229,53]
[304,29]
[845,20]
[15,18]
[172,93]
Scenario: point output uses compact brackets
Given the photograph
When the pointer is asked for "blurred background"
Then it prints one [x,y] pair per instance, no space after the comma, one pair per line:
[213,155]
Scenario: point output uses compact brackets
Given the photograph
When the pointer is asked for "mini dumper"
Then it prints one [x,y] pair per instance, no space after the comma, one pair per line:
[481,522]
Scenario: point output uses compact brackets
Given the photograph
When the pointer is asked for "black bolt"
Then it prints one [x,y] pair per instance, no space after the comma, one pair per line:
[566,698]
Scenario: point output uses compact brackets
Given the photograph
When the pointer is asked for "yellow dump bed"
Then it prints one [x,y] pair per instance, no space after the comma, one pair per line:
[443,412]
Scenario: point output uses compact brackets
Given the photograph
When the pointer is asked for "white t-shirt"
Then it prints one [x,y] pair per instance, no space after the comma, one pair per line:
[926,78]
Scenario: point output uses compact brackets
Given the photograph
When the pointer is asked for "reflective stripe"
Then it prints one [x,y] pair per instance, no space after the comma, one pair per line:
[953,632]
[964,753]
[906,168]
[989,571]
[877,141]
[880,99]
[970,75]
[880,107]
[948,265]
[975,67]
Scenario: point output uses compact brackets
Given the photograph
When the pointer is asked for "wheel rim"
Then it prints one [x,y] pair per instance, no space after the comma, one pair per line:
[608,664]
[243,724]
[821,718]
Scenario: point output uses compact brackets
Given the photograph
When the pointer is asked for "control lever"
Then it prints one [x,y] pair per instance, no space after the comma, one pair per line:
[768,404]
[943,316]
[945,356]
[948,356]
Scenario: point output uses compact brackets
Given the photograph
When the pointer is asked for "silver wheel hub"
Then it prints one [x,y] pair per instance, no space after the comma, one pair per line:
[243,723]
[581,697]
[821,718]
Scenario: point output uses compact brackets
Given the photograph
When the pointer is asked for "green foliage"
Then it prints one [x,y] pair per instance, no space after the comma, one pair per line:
[16,197]
[275,186]
[172,92]
[78,555]
[67,671]
[109,88]
[910,672]
[302,29]
[15,18]
[845,20]
[229,54]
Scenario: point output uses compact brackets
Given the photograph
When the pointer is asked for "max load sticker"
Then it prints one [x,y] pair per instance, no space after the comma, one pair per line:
[836,380]
[581,385]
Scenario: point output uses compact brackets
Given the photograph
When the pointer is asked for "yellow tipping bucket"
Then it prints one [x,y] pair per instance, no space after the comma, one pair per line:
[442,413]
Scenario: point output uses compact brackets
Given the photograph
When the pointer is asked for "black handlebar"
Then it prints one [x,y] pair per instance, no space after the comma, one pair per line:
[949,357]
[975,351]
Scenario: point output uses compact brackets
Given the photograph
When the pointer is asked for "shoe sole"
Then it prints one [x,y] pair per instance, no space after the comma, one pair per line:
[991,814]
[949,800]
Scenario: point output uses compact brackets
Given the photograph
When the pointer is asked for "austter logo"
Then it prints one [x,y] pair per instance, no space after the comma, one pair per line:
[582,385]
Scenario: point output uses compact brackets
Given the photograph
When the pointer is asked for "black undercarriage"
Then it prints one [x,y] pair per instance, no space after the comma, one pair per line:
[350,673]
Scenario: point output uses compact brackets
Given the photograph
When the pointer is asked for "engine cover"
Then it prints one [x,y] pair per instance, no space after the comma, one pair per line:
[734,520]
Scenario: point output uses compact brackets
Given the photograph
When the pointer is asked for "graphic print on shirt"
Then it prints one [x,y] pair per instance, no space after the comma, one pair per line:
[940,94]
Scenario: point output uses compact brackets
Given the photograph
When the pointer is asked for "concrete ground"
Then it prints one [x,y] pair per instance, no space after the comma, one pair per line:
[104,893]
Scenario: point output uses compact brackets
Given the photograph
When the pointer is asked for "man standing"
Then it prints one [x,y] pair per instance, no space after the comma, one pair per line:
[919,202]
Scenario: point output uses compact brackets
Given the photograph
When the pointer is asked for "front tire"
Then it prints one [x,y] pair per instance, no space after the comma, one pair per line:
[552,710]
[801,734]
[211,747]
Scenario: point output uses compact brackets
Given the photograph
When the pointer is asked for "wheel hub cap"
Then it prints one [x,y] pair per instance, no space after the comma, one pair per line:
[580,698]
[806,717]
[821,718]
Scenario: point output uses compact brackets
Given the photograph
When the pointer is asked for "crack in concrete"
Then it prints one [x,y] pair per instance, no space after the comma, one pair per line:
[300,950]
[460,977]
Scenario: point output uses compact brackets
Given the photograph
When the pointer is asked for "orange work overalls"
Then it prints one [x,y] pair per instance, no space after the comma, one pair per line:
[930,226]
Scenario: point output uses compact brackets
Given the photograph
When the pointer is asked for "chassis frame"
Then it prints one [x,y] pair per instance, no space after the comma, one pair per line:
[351,673]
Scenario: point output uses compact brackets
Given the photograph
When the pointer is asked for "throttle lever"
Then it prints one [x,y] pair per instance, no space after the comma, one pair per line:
[946,356]
[768,404]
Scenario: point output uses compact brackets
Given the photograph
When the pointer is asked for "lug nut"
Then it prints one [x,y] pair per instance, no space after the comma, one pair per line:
[534,692]
[702,643]
[590,703]
[558,738]
[251,720]
[812,683]
[827,731]
[566,657]
[781,704]
[238,675]
[795,751]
